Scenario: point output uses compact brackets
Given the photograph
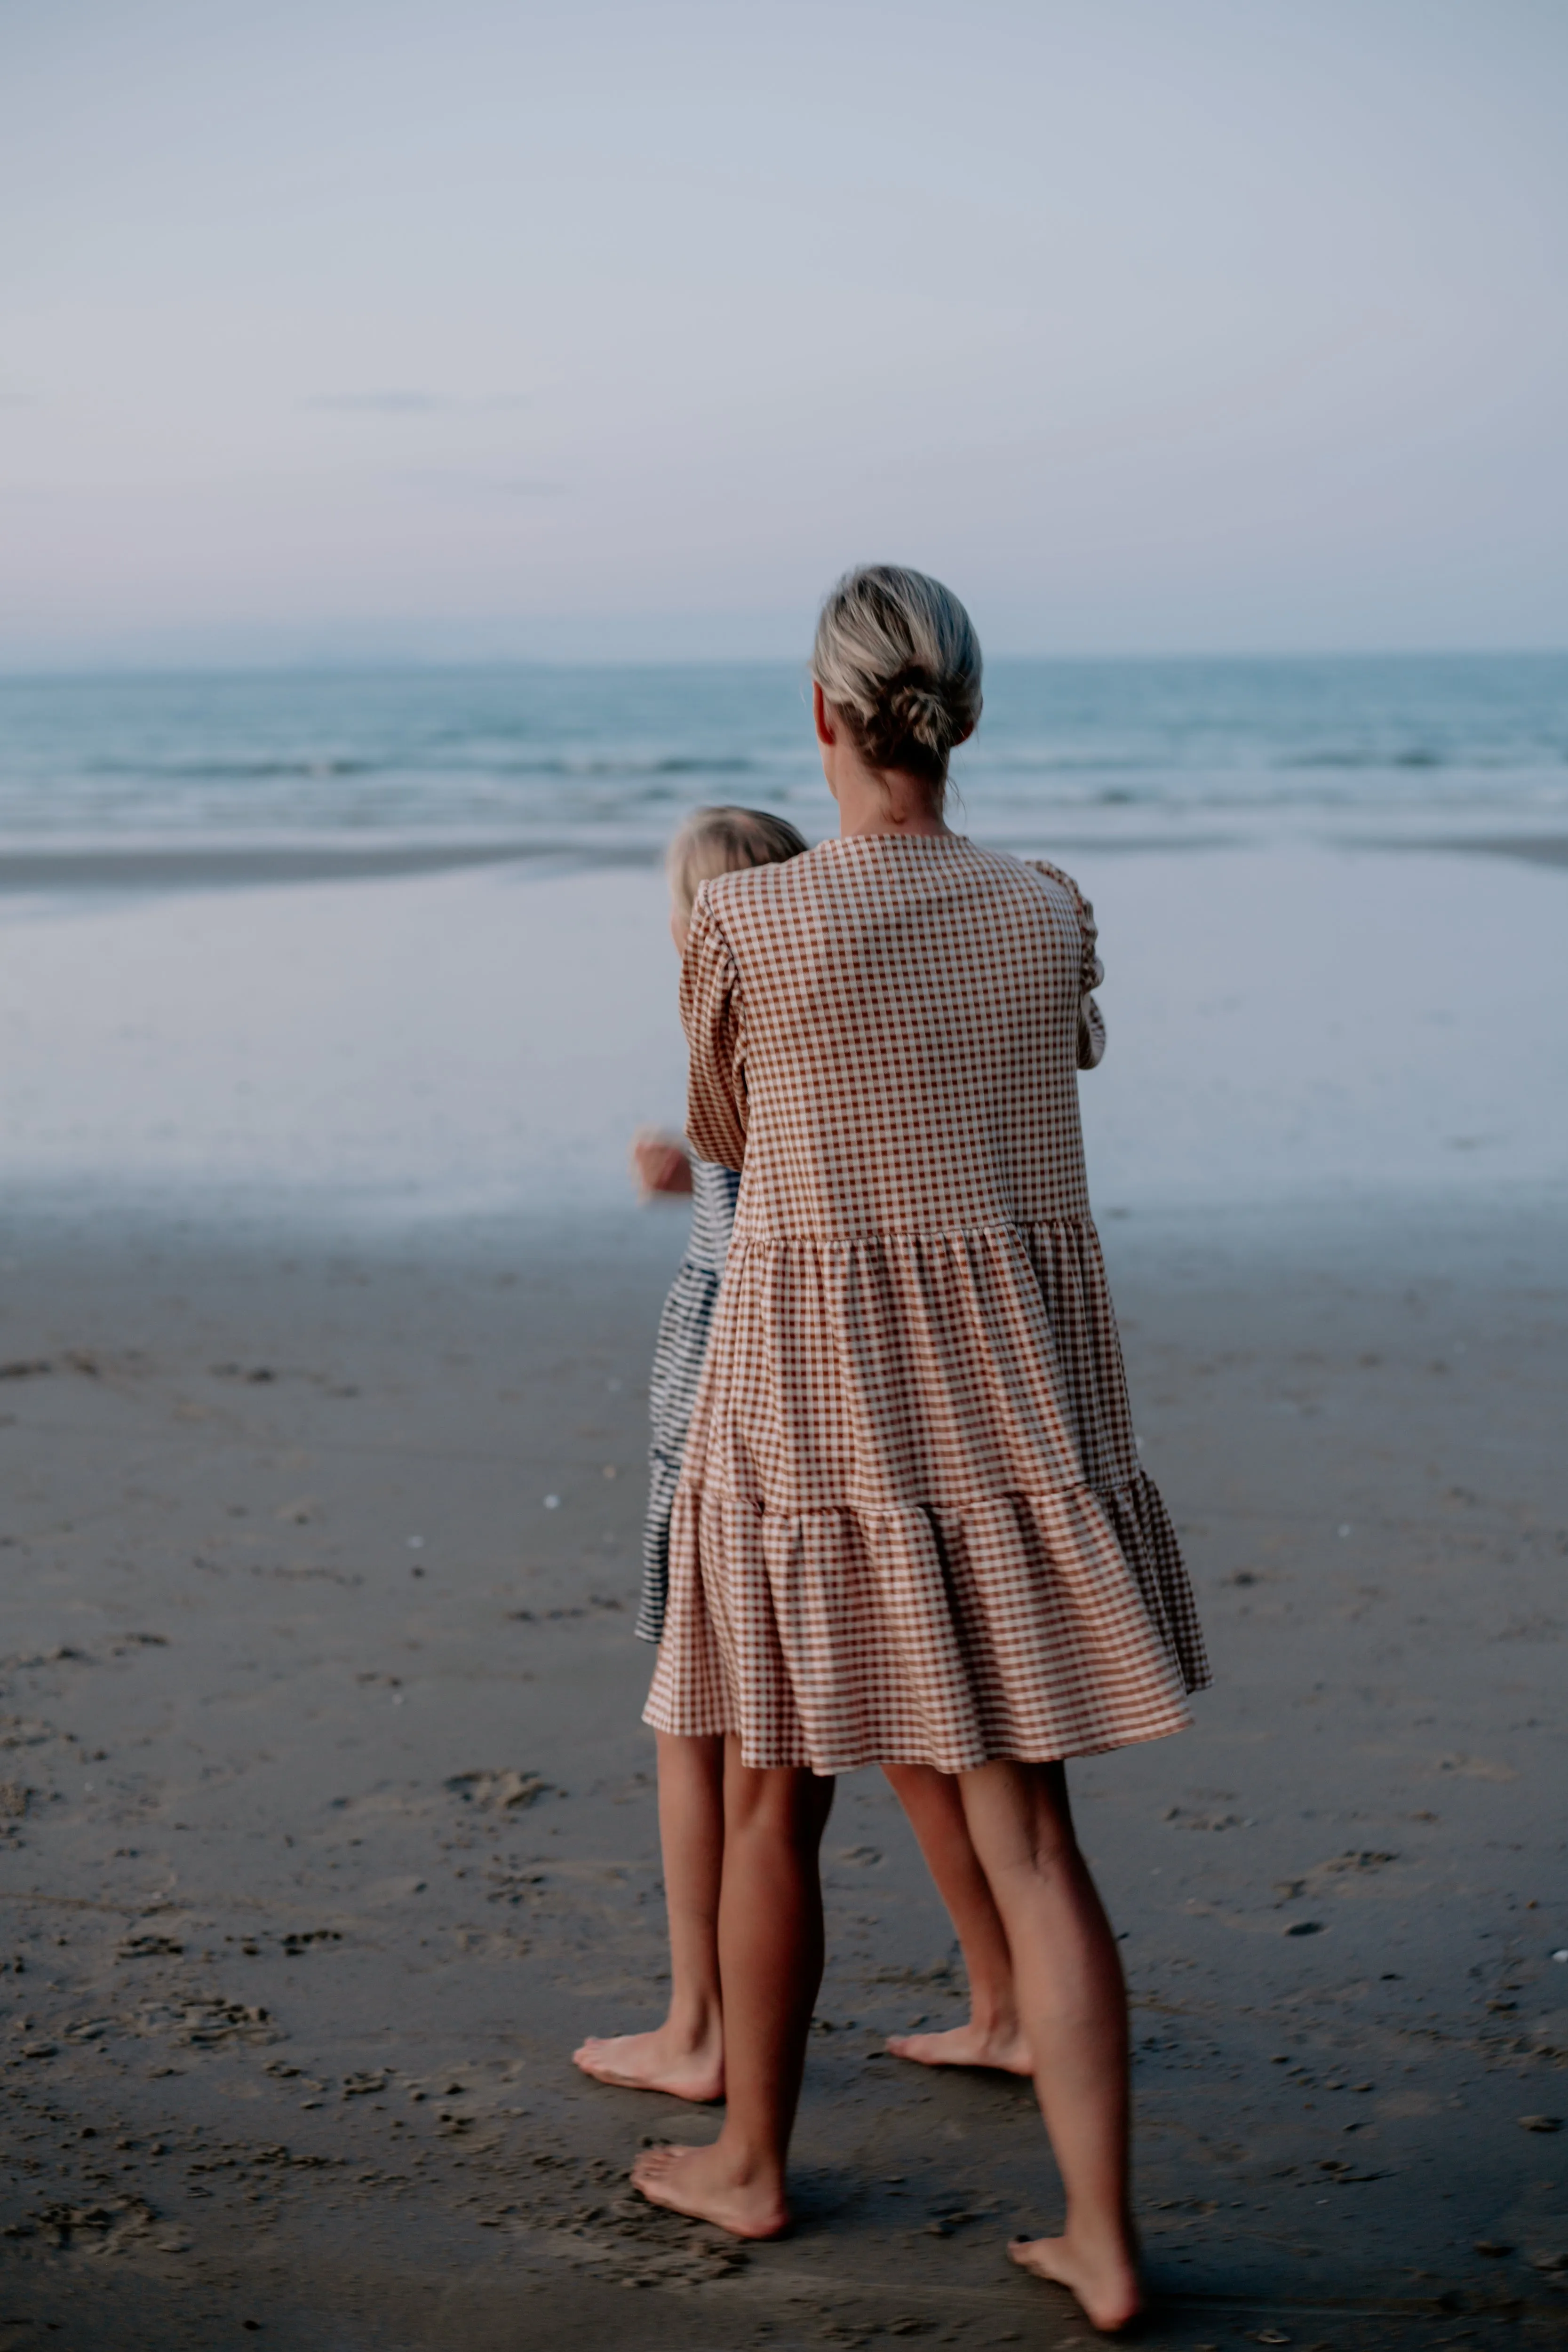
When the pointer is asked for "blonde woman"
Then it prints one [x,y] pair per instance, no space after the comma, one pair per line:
[684,2054]
[911,1526]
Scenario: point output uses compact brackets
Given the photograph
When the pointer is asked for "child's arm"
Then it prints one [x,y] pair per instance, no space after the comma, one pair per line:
[661,1162]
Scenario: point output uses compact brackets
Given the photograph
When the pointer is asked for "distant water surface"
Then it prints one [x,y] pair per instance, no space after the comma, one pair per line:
[584,759]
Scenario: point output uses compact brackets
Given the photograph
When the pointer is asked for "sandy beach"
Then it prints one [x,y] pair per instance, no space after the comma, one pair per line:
[327,1813]
[329,1826]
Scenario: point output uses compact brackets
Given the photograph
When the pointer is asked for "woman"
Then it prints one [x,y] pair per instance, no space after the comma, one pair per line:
[911,1526]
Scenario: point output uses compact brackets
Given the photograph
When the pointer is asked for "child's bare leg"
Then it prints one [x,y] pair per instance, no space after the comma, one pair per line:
[1073,2004]
[770,1945]
[992,2036]
[685,2055]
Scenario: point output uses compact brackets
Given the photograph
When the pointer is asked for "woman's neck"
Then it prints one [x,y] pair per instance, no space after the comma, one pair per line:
[869,802]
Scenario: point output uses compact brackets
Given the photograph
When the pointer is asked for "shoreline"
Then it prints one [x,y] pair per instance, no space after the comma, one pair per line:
[141,865]
[145,866]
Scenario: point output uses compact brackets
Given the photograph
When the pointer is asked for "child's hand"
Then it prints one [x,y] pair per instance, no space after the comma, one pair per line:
[660,1163]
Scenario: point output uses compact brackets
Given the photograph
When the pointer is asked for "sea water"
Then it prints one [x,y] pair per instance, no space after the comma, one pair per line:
[584,759]
[1323,983]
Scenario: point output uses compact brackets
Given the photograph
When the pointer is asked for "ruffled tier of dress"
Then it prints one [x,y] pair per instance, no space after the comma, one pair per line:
[933,1544]
[1033,1626]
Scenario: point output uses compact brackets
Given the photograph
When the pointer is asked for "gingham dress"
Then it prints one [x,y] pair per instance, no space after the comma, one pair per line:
[678,1354]
[911,1525]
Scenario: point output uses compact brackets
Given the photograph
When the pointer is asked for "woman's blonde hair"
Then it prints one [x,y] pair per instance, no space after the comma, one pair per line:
[897,656]
[722,841]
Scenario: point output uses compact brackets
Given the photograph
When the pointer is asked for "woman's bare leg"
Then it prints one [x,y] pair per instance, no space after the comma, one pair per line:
[685,2054]
[1073,2004]
[992,2036]
[770,1960]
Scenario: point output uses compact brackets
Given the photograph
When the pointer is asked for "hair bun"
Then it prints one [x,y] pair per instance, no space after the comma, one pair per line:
[920,715]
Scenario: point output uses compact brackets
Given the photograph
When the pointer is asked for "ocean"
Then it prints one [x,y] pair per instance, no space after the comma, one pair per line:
[418,966]
[1140,752]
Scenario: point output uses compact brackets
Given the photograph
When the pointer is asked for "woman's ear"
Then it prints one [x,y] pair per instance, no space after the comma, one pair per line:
[964,736]
[826,732]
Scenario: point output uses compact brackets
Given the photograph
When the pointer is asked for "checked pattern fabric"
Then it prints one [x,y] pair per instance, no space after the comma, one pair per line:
[911,1525]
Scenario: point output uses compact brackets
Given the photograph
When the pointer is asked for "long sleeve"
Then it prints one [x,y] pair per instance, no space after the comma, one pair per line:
[1091,972]
[713,1016]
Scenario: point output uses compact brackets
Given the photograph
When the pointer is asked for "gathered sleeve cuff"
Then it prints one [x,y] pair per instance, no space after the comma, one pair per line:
[712,1015]
[1091,972]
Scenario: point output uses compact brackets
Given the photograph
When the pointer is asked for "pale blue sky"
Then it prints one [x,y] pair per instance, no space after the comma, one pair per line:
[337,328]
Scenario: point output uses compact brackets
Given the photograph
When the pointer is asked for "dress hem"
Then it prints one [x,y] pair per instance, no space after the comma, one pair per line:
[1033,1626]
[859,1762]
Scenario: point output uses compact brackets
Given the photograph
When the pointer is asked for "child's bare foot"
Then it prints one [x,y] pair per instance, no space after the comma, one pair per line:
[706,2183]
[654,2061]
[1103,2281]
[1003,2048]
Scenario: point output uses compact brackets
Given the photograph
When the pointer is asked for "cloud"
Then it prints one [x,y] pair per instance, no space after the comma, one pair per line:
[382,403]
[449,483]
[411,404]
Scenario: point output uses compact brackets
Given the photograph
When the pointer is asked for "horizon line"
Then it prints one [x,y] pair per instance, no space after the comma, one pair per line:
[381,664]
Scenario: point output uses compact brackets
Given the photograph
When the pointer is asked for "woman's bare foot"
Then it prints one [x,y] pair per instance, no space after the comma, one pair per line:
[965,2045]
[706,2183]
[1103,2282]
[654,2061]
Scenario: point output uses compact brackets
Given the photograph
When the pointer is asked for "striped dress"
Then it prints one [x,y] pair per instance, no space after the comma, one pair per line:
[911,1525]
[678,1357]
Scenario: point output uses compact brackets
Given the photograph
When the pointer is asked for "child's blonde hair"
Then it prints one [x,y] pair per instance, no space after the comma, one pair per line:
[724,841]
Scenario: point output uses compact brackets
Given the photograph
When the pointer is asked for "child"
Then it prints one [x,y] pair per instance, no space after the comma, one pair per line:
[685,2055]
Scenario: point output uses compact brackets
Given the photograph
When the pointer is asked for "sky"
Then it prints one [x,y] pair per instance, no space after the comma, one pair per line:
[343,330]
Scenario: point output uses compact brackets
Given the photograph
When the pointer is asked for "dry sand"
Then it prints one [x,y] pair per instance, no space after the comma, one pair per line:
[329,1828]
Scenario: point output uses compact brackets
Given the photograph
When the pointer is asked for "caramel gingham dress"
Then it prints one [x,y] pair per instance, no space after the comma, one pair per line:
[911,1526]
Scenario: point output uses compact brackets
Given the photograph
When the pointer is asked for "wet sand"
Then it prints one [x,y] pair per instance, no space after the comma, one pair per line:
[327,1823]
[117,869]
[1285,1024]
